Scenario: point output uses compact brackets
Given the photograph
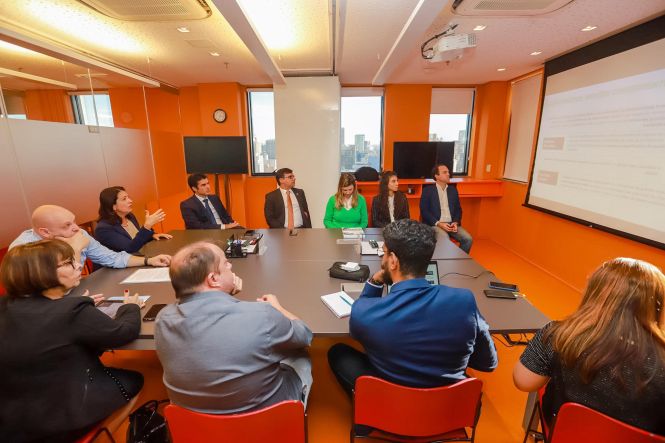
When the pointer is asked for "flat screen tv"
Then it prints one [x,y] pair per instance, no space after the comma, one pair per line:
[416,159]
[216,155]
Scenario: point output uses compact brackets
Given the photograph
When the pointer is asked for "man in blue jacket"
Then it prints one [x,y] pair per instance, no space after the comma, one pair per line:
[204,210]
[419,335]
[440,207]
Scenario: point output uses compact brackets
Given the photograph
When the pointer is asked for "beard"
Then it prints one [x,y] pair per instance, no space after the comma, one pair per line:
[387,279]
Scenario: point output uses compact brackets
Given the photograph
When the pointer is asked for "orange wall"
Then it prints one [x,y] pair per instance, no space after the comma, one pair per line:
[53,105]
[405,117]
[128,107]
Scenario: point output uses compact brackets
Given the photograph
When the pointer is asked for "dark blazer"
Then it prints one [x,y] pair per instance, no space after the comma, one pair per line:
[381,216]
[115,237]
[51,378]
[274,208]
[430,209]
[196,216]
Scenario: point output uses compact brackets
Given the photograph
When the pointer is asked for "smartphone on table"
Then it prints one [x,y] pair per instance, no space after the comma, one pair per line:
[503,286]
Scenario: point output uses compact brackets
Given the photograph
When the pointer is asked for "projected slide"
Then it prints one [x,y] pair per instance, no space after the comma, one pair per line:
[600,155]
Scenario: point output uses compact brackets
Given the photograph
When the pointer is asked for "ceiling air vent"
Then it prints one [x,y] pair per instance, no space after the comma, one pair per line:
[506,7]
[151,10]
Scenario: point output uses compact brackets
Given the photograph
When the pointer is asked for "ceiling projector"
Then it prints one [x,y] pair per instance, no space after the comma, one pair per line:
[451,47]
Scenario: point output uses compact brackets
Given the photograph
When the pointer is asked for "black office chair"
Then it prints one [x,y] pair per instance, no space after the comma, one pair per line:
[366,174]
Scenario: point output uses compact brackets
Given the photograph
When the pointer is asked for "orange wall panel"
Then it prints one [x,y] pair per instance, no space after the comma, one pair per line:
[227,96]
[568,250]
[256,189]
[190,112]
[406,117]
[53,105]
[128,107]
[490,132]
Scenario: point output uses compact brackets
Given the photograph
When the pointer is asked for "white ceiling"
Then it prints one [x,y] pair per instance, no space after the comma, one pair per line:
[365,32]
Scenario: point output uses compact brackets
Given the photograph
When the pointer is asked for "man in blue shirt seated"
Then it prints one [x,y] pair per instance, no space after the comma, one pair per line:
[419,335]
[51,221]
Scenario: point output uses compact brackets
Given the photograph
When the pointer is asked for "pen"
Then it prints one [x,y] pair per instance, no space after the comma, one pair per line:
[345,300]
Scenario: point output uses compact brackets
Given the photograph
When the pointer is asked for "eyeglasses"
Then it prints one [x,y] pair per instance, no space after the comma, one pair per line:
[290,177]
[69,262]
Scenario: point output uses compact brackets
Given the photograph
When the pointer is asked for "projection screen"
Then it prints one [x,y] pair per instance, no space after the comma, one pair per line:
[600,156]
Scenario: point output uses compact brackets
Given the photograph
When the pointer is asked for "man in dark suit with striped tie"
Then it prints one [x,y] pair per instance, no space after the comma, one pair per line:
[204,210]
[286,206]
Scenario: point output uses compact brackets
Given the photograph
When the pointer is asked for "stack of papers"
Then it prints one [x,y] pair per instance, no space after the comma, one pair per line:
[353,232]
[367,249]
[339,303]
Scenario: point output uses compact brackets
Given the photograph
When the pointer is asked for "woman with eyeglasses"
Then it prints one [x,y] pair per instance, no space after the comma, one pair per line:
[54,387]
[609,355]
[347,208]
[391,203]
[118,229]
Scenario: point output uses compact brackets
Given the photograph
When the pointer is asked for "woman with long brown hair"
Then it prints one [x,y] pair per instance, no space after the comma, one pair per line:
[609,355]
[391,203]
[347,208]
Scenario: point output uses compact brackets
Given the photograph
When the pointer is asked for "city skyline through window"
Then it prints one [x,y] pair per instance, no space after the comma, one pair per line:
[452,128]
[262,131]
[360,133]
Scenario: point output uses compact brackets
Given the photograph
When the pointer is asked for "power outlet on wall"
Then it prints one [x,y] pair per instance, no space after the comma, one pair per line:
[488,167]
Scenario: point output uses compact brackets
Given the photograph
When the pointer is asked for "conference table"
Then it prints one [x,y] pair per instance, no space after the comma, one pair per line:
[295,268]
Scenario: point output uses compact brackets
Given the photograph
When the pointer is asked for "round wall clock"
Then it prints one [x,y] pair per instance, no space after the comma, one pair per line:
[219,115]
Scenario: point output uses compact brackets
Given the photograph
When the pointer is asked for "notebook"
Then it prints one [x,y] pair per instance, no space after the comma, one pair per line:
[339,303]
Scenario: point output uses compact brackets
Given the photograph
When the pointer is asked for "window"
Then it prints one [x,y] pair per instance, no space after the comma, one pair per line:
[450,120]
[361,134]
[262,130]
[92,108]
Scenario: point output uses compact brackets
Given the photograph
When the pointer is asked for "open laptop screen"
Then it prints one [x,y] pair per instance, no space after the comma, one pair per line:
[432,274]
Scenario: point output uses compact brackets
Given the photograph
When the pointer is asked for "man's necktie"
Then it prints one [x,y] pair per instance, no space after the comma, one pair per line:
[209,209]
[289,205]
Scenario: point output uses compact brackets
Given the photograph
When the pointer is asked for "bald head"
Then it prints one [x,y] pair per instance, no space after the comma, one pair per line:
[193,266]
[50,221]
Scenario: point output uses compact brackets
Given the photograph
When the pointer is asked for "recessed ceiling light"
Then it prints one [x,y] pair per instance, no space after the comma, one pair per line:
[536,52]
[215,54]
[183,29]
[588,28]
[479,28]
[501,69]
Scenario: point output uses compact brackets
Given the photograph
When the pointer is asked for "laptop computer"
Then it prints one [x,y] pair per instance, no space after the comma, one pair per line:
[431,275]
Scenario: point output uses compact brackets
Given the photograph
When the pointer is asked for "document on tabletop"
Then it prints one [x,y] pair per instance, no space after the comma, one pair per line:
[152,275]
[367,249]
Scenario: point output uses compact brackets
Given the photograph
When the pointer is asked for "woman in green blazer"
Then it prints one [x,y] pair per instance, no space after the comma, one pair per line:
[347,208]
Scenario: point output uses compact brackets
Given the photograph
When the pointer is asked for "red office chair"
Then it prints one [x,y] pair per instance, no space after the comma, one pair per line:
[575,423]
[399,413]
[283,422]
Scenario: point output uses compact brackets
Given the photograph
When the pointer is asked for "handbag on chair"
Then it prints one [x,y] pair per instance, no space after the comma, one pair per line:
[147,425]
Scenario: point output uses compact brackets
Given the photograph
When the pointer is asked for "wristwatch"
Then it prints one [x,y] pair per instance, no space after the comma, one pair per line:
[145,260]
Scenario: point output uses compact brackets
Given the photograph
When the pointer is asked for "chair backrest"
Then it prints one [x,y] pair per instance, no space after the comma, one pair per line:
[413,411]
[282,422]
[576,423]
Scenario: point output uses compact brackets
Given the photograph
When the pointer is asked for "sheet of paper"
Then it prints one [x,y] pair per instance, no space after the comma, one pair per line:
[367,249]
[143,298]
[109,309]
[150,275]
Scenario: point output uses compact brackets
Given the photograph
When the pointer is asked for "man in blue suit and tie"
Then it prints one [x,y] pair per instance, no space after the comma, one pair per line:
[204,210]
[440,207]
